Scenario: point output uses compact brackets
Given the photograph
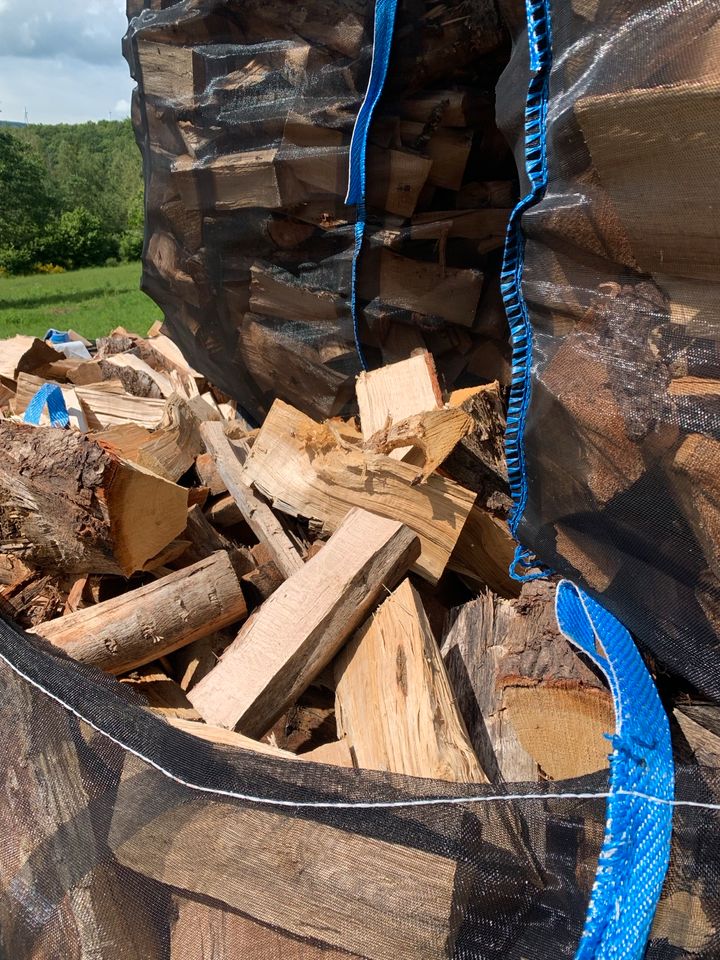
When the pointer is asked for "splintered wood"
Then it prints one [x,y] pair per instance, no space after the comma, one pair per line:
[247,583]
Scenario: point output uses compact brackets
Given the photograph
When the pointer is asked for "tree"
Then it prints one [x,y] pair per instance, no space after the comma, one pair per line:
[26,203]
[76,239]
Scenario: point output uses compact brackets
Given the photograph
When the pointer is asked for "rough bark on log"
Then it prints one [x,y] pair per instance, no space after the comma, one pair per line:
[114,518]
[147,623]
[522,689]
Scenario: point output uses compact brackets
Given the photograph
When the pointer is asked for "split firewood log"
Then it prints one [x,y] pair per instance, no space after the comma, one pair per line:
[521,687]
[147,623]
[395,392]
[24,355]
[394,660]
[311,880]
[300,466]
[114,518]
[299,629]
[44,765]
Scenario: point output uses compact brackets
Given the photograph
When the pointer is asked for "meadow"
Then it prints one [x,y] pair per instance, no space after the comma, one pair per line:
[92,301]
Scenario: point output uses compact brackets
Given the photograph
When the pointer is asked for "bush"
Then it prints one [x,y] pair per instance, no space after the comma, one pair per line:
[18,259]
[131,245]
[76,239]
[48,268]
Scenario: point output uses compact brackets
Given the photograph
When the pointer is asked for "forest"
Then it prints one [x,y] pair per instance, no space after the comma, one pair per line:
[71,196]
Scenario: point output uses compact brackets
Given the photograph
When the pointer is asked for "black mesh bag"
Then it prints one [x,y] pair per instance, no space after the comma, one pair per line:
[128,839]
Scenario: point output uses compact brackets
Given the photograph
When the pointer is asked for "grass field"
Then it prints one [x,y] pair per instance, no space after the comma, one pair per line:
[92,302]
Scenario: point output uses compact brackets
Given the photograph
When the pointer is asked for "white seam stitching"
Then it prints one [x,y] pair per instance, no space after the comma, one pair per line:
[339,805]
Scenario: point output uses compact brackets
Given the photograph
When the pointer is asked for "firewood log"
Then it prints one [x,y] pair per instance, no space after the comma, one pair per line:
[80,905]
[299,466]
[224,512]
[478,461]
[638,161]
[395,392]
[255,511]
[521,688]
[419,287]
[311,880]
[273,355]
[578,376]
[693,475]
[114,517]
[394,660]
[432,435]
[295,634]
[205,932]
[136,376]
[107,403]
[24,355]
[206,540]
[163,696]
[138,627]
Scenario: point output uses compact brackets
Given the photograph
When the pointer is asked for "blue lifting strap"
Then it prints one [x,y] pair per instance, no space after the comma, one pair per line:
[385,11]
[52,395]
[636,849]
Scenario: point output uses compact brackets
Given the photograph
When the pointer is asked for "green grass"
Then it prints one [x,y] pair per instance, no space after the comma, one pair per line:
[92,302]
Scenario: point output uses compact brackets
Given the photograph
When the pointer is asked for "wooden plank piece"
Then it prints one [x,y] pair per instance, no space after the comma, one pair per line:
[296,633]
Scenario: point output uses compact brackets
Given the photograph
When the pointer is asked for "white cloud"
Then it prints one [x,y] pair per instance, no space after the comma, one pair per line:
[62,60]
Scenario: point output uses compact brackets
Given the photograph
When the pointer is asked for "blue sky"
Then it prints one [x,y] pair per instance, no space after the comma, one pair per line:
[61,60]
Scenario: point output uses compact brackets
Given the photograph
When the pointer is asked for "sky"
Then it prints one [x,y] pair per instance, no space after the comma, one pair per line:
[61,61]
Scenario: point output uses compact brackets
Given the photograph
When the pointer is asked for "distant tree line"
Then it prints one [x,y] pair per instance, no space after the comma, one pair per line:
[70,196]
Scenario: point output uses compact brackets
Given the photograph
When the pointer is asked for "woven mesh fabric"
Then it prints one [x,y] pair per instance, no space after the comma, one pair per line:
[125,839]
[250,244]
[620,267]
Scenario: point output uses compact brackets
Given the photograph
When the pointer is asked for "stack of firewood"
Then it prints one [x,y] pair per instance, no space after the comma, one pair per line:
[315,591]
[303,589]
[245,116]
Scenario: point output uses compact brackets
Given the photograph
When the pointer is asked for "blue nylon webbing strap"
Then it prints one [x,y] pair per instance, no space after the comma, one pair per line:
[52,395]
[385,11]
[525,566]
[636,849]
